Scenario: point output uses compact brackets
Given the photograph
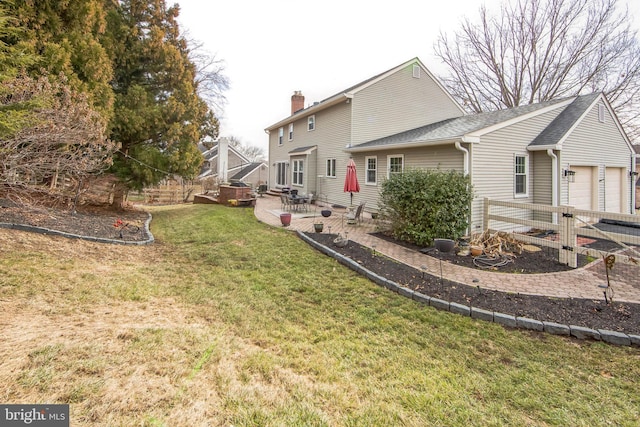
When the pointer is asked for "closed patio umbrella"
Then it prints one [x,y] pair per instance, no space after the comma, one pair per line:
[351,184]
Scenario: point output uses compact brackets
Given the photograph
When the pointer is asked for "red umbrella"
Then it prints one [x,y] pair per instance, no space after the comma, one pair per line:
[351,180]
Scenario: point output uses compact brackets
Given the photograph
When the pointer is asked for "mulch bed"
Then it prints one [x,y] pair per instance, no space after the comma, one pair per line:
[594,314]
[91,221]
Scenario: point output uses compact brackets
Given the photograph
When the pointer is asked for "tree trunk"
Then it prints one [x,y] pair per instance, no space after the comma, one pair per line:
[119,192]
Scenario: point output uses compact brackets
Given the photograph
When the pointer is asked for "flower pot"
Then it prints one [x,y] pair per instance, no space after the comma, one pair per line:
[340,241]
[325,213]
[444,245]
[285,219]
[476,250]
[318,227]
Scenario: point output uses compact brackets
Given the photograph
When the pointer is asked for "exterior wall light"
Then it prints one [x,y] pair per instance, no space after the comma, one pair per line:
[569,175]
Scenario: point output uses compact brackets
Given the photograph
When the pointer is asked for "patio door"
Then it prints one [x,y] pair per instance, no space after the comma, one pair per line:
[281,174]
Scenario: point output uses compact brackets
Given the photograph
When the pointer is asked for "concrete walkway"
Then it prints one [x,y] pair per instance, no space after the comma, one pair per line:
[579,283]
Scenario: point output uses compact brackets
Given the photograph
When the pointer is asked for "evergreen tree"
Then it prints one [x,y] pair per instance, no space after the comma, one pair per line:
[158,116]
[66,35]
[15,54]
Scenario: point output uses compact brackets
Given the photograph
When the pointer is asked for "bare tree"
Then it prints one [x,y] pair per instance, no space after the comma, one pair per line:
[210,78]
[62,137]
[251,152]
[537,50]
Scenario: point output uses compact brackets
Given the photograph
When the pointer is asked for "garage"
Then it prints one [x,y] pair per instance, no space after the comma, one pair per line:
[581,191]
[613,190]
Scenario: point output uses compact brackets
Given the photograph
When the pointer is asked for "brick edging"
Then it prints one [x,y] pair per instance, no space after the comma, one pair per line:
[49,231]
[580,332]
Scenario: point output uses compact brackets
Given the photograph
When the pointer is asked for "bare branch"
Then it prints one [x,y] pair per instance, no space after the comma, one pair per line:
[65,138]
[536,50]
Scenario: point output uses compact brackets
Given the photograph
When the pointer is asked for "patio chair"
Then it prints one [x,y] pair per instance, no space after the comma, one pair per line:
[354,217]
[285,203]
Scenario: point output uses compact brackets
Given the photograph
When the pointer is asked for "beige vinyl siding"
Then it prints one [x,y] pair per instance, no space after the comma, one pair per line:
[398,103]
[331,135]
[493,164]
[541,181]
[598,145]
[444,157]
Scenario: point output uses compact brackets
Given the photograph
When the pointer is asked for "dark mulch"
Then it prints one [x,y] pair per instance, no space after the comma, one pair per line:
[594,314]
[543,261]
[91,221]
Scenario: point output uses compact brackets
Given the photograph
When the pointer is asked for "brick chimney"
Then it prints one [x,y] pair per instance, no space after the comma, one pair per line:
[297,101]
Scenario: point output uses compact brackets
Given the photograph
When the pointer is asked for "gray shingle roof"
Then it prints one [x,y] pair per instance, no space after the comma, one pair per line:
[559,126]
[245,170]
[303,149]
[211,153]
[456,127]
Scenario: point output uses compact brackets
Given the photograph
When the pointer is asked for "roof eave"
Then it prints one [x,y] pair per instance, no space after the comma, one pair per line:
[412,144]
[337,99]
[557,147]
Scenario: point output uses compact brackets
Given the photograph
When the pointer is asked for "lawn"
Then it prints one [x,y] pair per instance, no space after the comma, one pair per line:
[227,321]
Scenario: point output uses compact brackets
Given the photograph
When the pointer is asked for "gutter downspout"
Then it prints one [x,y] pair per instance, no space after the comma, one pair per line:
[465,166]
[466,157]
[554,182]
[634,178]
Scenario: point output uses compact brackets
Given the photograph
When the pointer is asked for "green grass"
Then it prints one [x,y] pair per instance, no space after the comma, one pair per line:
[267,331]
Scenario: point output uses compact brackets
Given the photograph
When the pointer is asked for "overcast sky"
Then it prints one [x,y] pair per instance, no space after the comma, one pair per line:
[271,48]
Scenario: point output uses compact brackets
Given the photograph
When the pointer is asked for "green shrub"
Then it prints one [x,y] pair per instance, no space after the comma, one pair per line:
[423,205]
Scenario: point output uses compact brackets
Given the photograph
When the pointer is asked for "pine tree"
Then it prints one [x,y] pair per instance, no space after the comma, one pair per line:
[158,116]
[66,35]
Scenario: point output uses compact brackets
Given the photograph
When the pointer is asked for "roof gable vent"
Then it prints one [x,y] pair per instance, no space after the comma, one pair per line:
[416,71]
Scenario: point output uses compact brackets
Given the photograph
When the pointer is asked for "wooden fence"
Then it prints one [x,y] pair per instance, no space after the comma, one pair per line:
[171,194]
[566,224]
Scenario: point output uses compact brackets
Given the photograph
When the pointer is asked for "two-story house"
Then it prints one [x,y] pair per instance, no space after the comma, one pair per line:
[567,151]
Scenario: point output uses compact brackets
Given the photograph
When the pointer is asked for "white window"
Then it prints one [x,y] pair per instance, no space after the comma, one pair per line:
[521,176]
[395,164]
[331,168]
[371,164]
[280,135]
[311,122]
[290,131]
[298,170]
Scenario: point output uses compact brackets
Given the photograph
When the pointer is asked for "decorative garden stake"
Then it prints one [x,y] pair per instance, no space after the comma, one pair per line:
[423,268]
[122,226]
[609,261]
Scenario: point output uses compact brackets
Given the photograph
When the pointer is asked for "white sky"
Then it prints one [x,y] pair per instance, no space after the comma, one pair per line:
[272,48]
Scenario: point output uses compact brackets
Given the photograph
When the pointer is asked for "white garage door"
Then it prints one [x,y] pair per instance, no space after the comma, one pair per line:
[613,190]
[581,190]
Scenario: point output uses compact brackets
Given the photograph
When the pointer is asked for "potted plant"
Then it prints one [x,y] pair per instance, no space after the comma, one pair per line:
[476,250]
[285,219]
[444,245]
[318,226]
[325,213]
